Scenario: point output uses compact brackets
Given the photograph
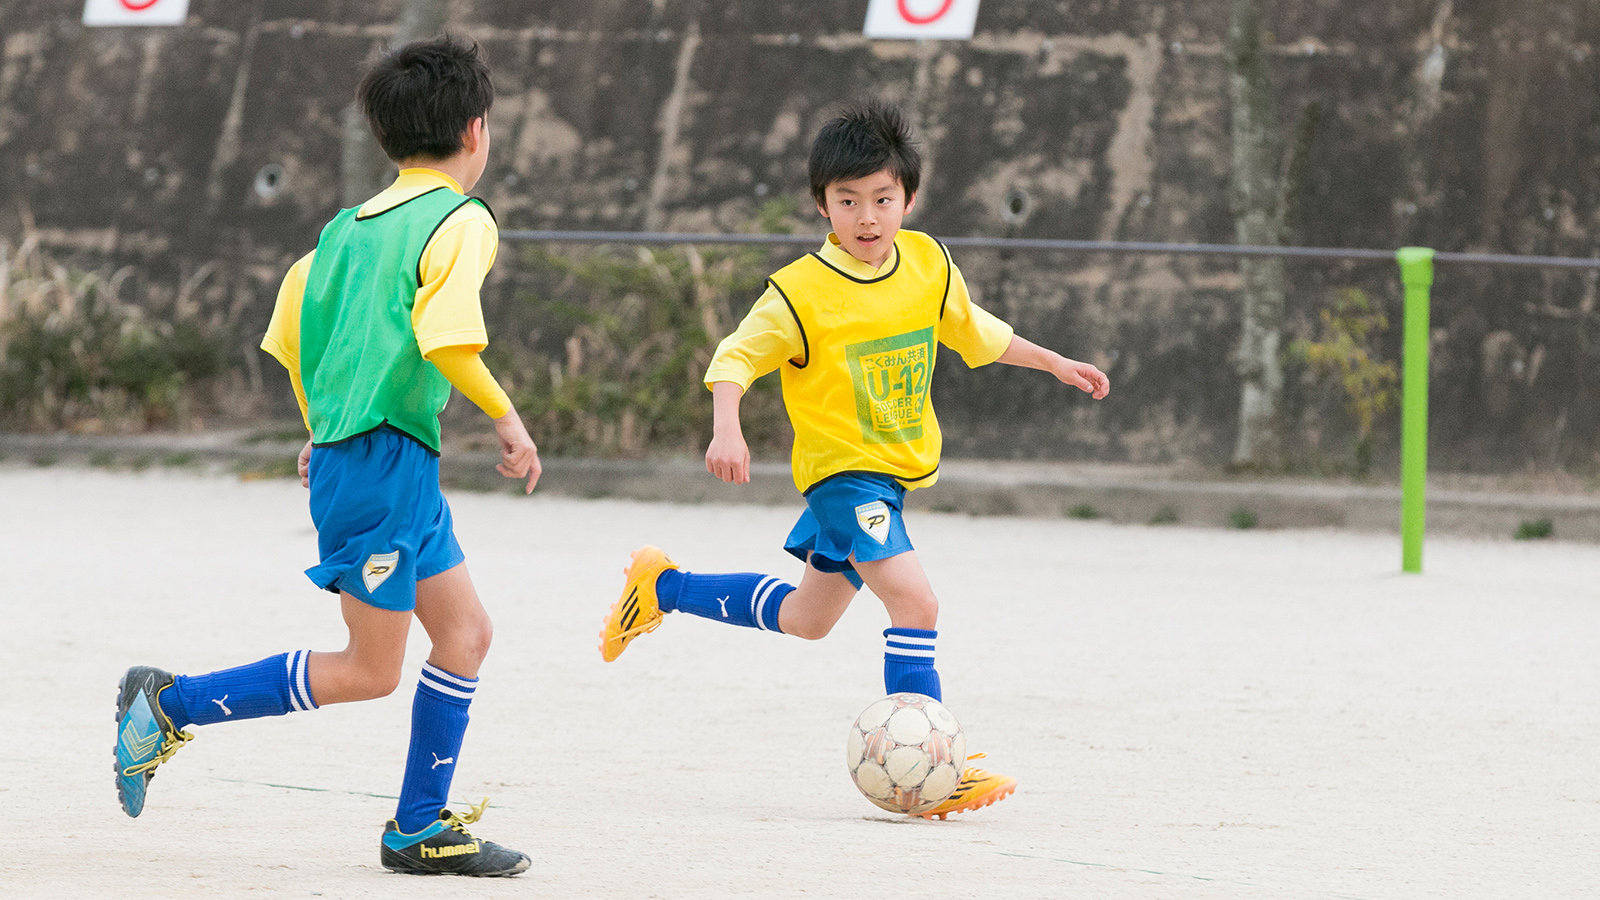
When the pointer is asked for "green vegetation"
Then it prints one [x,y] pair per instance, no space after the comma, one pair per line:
[1083,511]
[263,469]
[620,345]
[73,354]
[1242,518]
[1166,515]
[1535,529]
[1343,352]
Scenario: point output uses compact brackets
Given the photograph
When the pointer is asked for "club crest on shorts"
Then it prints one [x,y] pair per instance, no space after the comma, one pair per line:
[874,520]
[377,569]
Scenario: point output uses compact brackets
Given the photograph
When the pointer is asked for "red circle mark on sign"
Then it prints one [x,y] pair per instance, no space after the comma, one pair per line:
[138,5]
[906,13]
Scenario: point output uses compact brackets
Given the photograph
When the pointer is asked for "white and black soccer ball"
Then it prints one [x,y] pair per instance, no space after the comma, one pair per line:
[906,753]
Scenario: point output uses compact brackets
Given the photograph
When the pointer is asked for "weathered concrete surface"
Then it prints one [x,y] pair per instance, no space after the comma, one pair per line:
[1456,124]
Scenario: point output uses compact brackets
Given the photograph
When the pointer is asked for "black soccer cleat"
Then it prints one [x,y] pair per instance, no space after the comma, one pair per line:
[447,848]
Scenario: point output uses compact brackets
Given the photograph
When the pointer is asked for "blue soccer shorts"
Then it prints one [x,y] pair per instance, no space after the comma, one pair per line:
[382,524]
[851,515]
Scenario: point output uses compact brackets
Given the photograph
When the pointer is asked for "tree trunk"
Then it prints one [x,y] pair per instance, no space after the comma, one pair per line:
[365,169]
[1258,208]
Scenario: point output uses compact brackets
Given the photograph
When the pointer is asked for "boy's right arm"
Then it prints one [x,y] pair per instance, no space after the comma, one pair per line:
[728,457]
[282,341]
[768,335]
[519,458]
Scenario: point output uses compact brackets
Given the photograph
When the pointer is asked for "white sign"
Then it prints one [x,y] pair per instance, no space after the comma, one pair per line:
[940,19]
[135,12]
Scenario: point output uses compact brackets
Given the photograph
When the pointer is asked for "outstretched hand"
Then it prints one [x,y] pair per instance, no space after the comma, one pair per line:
[1084,376]
[519,458]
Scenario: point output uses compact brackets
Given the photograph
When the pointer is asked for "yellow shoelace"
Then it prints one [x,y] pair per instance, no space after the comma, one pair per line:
[460,821]
[972,773]
[168,747]
[652,625]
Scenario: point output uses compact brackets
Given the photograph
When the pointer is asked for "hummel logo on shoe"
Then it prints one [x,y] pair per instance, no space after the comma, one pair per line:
[225,710]
[457,850]
[447,848]
[437,762]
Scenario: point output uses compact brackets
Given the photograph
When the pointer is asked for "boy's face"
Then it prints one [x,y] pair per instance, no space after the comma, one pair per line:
[865,213]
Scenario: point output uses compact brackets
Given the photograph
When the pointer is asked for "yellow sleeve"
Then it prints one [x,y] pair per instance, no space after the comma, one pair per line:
[447,311]
[464,368]
[282,339]
[969,329]
[766,338]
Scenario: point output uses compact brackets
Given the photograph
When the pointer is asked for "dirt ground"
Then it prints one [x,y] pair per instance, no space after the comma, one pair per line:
[1192,713]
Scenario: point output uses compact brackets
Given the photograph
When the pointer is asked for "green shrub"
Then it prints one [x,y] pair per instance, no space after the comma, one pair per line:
[72,353]
[1166,515]
[622,343]
[1345,353]
[1242,518]
[1535,529]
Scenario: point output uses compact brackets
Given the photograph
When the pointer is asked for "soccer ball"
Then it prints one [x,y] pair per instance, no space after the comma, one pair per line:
[906,753]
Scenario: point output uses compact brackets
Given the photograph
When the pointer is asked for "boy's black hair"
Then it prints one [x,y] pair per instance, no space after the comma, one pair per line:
[865,138]
[420,98]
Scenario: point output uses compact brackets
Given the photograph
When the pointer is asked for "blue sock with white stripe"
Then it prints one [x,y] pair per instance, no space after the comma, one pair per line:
[745,598]
[271,687]
[908,662]
[438,722]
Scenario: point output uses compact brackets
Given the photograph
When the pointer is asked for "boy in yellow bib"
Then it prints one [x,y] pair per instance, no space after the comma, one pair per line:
[853,328]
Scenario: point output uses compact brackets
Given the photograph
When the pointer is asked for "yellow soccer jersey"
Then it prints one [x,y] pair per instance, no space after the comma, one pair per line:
[856,347]
[447,312]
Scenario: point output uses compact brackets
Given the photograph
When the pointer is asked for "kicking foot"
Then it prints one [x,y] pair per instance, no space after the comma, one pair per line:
[976,790]
[637,611]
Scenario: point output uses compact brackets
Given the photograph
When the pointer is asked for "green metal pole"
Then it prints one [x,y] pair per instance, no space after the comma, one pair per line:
[1416,273]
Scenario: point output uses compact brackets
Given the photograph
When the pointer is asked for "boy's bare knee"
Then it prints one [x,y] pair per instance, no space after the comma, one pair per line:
[466,646]
[374,682]
[479,639]
[916,612]
[811,631]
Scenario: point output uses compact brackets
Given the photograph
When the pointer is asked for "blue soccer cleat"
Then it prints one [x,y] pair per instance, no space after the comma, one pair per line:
[146,738]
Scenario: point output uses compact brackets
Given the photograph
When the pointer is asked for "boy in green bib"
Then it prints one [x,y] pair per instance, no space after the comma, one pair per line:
[853,329]
[374,327]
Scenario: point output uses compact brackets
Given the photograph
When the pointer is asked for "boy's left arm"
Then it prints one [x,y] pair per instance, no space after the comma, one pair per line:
[981,338]
[1081,375]
[448,321]
[465,369]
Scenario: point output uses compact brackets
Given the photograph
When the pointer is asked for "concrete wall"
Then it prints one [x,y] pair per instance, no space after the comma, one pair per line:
[1459,124]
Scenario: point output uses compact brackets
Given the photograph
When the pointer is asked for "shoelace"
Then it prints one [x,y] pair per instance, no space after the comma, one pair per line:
[460,821]
[976,774]
[640,629]
[168,747]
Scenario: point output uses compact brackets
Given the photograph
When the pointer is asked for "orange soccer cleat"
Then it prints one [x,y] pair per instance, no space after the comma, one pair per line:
[637,611]
[976,790]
